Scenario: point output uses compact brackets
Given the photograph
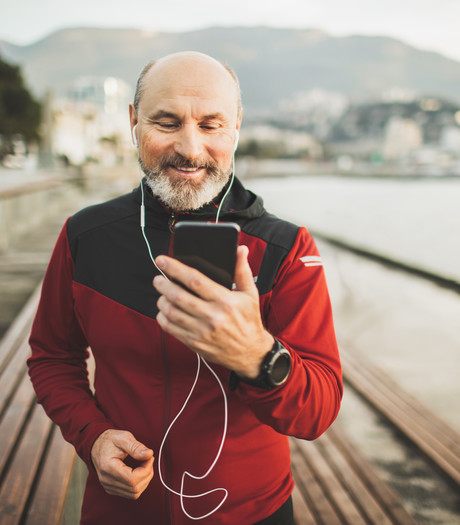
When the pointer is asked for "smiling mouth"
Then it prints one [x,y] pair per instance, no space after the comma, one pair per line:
[184,168]
[188,172]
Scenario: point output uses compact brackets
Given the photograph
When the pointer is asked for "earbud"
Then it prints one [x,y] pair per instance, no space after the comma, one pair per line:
[237,138]
[135,136]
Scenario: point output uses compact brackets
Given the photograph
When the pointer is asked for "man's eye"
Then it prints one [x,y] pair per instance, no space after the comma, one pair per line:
[167,125]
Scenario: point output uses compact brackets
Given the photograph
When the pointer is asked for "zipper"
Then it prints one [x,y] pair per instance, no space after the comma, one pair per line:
[172,221]
[166,418]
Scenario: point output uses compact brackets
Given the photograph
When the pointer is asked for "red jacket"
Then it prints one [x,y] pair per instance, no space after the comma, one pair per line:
[97,293]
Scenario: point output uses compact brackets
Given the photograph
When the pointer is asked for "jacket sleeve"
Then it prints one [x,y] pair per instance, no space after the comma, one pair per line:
[58,362]
[298,313]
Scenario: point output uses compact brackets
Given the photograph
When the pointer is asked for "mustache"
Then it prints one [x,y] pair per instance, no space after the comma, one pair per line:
[178,161]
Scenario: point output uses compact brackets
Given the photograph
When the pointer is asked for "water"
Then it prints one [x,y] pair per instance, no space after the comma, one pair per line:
[413,221]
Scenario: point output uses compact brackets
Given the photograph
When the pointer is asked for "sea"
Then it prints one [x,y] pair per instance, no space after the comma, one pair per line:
[414,221]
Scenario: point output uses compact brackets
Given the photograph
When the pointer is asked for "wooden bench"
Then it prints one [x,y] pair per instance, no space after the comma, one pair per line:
[334,484]
[439,442]
[35,462]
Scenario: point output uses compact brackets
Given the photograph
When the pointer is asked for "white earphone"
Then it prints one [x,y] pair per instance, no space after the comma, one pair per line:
[135,136]
[237,138]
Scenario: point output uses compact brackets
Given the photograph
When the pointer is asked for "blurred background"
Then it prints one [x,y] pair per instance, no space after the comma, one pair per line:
[351,127]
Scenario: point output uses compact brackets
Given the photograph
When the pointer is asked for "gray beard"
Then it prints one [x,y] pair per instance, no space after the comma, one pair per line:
[184,194]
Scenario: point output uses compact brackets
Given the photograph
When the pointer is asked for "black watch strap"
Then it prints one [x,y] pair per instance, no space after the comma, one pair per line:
[274,370]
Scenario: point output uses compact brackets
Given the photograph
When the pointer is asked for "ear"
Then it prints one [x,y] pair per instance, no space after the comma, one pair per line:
[238,121]
[237,138]
[133,124]
[237,131]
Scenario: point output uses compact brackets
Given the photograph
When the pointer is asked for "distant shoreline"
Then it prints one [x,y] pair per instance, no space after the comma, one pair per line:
[249,168]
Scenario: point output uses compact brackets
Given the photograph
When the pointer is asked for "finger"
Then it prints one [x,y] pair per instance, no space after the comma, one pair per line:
[117,473]
[189,277]
[182,309]
[244,280]
[184,335]
[137,476]
[129,444]
[176,297]
[201,337]
[180,314]
[126,481]
[115,469]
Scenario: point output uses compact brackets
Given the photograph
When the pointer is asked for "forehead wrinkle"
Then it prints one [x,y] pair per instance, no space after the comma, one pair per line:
[194,92]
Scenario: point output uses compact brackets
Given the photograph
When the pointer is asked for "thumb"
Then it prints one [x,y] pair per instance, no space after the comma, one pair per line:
[137,450]
[244,279]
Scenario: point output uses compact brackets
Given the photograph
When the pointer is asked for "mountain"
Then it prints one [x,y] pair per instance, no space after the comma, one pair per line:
[272,64]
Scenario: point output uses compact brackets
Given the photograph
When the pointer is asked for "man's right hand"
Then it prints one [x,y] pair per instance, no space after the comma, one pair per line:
[108,452]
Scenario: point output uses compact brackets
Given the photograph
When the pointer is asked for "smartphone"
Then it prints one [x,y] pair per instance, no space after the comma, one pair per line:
[208,247]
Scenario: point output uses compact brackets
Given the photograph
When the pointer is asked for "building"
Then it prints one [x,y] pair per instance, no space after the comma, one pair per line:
[92,123]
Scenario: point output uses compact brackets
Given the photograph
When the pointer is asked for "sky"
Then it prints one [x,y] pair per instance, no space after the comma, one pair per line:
[426,24]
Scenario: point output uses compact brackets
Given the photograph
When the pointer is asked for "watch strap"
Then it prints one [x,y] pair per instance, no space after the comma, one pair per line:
[265,379]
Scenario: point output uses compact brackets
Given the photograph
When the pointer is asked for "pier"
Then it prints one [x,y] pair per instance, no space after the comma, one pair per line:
[393,456]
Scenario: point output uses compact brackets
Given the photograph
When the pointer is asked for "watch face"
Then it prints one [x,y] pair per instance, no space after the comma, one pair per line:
[281,368]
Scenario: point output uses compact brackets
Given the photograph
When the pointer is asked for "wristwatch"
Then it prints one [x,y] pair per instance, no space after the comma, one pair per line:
[274,370]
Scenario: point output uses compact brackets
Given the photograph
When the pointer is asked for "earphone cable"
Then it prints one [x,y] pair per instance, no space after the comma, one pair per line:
[199,360]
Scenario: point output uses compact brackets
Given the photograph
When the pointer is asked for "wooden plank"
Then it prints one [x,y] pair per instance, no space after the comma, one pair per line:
[75,493]
[351,482]
[340,486]
[445,434]
[19,481]
[13,421]
[12,376]
[19,328]
[382,493]
[344,506]
[443,456]
[311,490]
[49,499]
[302,513]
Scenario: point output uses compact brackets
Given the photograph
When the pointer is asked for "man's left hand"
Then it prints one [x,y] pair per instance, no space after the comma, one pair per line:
[223,326]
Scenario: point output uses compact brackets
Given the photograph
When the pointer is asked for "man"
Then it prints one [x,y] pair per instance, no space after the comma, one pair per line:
[271,344]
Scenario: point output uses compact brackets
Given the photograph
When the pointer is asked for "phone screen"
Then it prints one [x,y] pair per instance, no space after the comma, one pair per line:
[208,247]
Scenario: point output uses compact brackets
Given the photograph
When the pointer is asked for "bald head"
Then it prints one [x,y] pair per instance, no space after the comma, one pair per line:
[188,63]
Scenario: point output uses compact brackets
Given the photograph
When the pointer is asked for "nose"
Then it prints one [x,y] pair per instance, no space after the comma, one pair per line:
[189,142]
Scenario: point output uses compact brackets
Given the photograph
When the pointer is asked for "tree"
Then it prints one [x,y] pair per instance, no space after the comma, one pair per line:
[20,113]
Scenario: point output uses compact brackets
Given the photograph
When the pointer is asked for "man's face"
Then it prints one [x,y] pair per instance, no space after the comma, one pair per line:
[186,128]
